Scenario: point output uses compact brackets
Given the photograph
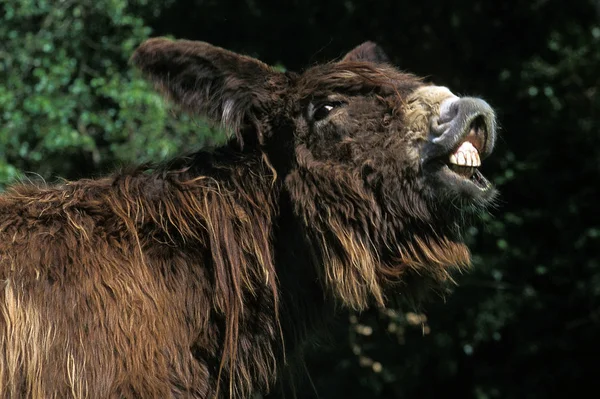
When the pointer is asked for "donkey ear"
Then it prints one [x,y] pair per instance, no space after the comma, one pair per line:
[208,80]
[368,51]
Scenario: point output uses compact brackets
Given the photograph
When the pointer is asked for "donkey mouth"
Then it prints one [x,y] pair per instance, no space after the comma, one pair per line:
[465,159]
[460,142]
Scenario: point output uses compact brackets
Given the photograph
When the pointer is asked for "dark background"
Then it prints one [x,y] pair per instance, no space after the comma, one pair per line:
[525,323]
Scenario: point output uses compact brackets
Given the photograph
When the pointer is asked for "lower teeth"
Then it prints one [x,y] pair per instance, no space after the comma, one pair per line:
[465,171]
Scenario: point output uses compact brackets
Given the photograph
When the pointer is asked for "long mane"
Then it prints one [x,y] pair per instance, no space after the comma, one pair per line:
[186,236]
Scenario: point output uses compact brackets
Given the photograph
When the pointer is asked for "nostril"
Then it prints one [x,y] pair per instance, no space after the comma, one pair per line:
[463,112]
[460,119]
[477,133]
[478,125]
[448,109]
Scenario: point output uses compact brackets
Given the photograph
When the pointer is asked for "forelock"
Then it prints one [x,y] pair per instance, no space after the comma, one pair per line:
[356,77]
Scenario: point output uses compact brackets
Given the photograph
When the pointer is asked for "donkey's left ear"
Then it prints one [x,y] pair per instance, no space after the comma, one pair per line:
[207,80]
[368,51]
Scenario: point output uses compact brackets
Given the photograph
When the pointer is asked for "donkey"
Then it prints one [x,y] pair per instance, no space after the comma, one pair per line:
[205,276]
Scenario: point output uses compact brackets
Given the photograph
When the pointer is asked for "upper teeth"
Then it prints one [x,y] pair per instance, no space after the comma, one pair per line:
[466,155]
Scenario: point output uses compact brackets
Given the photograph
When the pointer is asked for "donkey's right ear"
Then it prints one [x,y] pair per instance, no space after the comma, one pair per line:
[208,80]
[368,51]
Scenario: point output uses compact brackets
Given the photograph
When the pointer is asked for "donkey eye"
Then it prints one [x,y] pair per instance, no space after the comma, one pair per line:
[322,111]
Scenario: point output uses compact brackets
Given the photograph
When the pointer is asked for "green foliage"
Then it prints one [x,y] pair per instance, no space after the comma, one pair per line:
[70,104]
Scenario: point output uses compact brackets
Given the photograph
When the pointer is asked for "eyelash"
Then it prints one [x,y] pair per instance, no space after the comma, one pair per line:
[323,110]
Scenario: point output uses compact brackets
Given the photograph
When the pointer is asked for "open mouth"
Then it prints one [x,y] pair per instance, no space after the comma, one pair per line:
[457,145]
[464,160]
[460,137]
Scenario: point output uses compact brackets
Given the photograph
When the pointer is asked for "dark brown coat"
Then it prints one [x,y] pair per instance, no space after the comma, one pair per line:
[203,277]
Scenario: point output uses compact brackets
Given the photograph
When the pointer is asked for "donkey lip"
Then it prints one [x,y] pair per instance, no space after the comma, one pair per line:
[476,134]
[461,121]
[467,176]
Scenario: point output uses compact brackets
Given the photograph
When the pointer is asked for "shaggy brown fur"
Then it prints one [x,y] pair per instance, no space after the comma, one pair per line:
[202,277]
